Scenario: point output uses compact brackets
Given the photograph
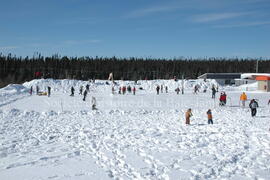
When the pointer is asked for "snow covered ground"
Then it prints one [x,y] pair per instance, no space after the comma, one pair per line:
[131,137]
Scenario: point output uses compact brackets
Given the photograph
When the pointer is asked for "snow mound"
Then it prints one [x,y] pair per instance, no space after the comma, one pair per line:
[14,89]
[63,85]
[103,85]
[12,93]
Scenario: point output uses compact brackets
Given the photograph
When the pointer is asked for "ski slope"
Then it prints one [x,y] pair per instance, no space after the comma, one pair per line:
[140,136]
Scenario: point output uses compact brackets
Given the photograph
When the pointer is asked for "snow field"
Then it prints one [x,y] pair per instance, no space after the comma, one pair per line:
[132,137]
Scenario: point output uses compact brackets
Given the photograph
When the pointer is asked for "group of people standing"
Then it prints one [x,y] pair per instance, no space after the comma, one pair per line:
[253,105]
[81,92]
[124,89]
[84,93]
[38,92]
[160,88]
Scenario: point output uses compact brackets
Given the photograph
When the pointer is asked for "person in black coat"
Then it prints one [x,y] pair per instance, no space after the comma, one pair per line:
[81,90]
[49,91]
[253,106]
[87,87]
[84,95]
[158,88]
[72,91]
[214,92]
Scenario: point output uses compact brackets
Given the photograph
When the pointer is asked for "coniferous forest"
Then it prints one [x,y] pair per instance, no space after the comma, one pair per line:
[20,69]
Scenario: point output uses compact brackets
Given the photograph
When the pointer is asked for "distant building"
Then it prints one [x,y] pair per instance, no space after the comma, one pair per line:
[263,80]
[222,78]
[263,83]
[239,82]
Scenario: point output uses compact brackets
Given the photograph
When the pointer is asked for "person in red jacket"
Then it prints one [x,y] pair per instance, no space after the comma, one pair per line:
[124,90]
[222,99]
[134,90]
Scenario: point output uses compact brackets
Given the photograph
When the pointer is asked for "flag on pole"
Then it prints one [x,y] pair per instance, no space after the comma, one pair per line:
[110,76]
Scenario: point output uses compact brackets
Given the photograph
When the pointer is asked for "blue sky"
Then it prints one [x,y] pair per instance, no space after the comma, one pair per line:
[138,28]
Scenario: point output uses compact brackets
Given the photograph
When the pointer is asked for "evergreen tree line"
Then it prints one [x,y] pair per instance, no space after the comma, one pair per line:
[20,69]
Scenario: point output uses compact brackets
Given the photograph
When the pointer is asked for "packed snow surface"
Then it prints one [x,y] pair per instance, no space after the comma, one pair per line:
[140,136]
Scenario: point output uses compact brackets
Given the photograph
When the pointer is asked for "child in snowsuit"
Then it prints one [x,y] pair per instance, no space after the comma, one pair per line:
[158,89]
[177,90]
[222,99]
[196,89]
[31,91]
[37,89]
[84,95]
[94,103]
[243,99]
[49,91]
[119,91]
[134,90]
[209,116]
[87,87]
[253,106]
[81,90]
[72,91]
[188,115]
[124,90]
[129,89]
[213,92]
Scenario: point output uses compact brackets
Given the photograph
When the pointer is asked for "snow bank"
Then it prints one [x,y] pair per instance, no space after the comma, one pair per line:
[103,85]
[13,89]
[12,93]
[64,85]
[172,84]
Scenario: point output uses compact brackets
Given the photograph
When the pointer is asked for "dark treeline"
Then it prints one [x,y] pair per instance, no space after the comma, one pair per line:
[17,69]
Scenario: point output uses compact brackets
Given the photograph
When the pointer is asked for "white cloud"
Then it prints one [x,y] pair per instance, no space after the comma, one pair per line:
[8,47]
[204,18]
[244,24]
[76,42]
[148,11]
[79,20]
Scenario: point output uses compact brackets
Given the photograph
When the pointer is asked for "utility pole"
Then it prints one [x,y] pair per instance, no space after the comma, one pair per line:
[257,64]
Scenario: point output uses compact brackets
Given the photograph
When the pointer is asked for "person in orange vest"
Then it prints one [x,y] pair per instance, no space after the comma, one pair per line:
[188,115]
[209,116]
[243,98]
